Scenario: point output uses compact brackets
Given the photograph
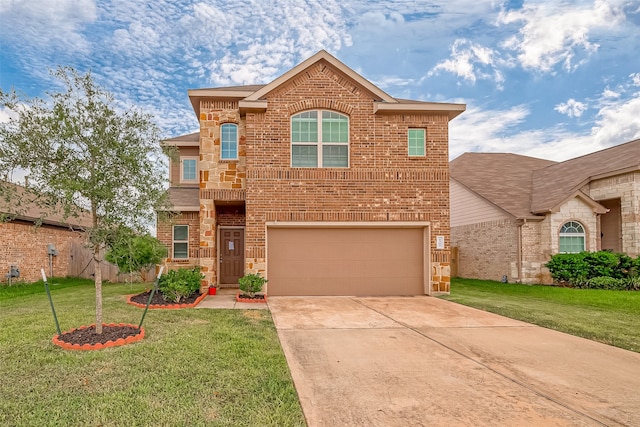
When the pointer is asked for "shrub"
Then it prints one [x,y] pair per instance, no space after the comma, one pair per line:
[603,282]
[570,268]
[579,268]
[632,283]
[251,283]
[179,284]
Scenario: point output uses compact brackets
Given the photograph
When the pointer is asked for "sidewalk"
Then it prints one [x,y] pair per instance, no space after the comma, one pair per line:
[226,298]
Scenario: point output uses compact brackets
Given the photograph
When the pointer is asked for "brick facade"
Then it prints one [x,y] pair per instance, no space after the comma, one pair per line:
[25,246]
[381,184]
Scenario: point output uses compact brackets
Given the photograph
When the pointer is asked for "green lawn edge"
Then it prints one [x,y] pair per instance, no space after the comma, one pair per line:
[195,367]
[609,317]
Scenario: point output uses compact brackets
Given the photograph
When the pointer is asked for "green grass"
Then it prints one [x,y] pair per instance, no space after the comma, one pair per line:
[610,317]
[195,367]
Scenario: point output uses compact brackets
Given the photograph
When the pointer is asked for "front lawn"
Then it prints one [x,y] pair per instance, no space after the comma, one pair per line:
[195,367]
[611,317]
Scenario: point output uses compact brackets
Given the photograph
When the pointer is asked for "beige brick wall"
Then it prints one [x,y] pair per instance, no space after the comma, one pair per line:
[26,246]
[626,187]
[487,250]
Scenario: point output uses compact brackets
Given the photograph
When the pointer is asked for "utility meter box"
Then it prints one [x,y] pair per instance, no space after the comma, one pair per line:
[14,271]
[51,250]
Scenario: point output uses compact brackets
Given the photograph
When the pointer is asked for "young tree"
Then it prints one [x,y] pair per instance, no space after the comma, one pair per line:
[83,153]
[131,252]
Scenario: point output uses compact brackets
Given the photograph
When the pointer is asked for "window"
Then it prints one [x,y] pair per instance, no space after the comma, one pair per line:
[229,141]
[188,169]
[572,238]
[320,139]
[180,241]
[416,142]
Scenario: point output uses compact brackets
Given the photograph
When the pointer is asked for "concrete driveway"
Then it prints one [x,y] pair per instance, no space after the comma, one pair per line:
[422,361]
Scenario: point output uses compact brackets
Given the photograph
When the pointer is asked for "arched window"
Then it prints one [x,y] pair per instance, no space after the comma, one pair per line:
[229,141]
[572,237]
[320,139]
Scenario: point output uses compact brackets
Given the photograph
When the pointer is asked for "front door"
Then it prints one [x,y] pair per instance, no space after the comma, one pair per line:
[231,255]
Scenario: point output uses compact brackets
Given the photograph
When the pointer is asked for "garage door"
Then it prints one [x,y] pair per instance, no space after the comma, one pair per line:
[345,261]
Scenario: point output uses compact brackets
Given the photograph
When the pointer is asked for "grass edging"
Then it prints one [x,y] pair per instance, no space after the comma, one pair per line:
[605,316]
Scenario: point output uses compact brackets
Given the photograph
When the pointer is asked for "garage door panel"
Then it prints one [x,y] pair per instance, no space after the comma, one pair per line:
[339,261]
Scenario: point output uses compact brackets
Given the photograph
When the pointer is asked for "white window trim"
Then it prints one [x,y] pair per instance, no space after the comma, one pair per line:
[188,181]
[237,140]
[174,241]
[583,235]
[319,143]
[424,143]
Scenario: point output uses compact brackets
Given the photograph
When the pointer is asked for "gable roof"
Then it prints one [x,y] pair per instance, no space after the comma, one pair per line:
[528,187]
[252,97]
[502,179]
[30,211]
[554,184]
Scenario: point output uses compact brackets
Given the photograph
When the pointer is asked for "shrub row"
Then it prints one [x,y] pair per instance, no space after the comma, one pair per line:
[596,270]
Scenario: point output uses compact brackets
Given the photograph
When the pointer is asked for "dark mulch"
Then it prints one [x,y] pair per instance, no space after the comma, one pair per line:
[158,300]
[89,336]
[255,297]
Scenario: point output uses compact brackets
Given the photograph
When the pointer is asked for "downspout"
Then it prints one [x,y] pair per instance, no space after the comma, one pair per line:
[519,249]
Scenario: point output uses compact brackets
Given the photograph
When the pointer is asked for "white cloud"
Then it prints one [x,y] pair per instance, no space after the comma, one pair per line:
[571,108]
[471,61]
[608,93]
[48,23]
[635,79]
[558,32]
[485,130]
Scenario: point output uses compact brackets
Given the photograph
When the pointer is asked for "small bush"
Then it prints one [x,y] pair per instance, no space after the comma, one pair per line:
[570,268]
[251,283]
[179,284]
[603,282]
[632,283]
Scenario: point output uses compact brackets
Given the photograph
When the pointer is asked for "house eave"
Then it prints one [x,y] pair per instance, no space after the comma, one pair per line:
[452,110]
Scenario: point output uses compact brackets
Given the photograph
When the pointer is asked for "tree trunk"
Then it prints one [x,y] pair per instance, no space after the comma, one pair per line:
[98,281]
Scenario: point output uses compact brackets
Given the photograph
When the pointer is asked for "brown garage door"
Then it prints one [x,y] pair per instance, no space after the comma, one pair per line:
[345,261]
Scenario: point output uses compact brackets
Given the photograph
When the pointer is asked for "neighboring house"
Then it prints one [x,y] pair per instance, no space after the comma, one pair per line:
[511,213]
[319,181]
[25,245]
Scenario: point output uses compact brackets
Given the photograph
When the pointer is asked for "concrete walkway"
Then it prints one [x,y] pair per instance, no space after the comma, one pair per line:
[421,361]
[226,298]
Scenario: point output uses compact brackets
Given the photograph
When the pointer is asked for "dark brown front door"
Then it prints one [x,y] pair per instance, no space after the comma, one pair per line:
[231,255]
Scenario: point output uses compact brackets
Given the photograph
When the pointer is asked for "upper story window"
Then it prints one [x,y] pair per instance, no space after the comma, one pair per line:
[320,139]
[180,241]
[572,237]
[188,169]
[229,141]
[416,143]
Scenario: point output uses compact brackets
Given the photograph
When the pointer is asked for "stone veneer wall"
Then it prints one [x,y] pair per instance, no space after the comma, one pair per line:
[573,210]
[627,188]
[381,184]
[25,246]
[487,250]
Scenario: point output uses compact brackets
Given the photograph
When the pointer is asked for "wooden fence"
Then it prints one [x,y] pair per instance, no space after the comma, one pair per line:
[81,265]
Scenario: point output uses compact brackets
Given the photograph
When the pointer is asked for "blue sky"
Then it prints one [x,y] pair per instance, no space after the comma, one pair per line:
[552,79]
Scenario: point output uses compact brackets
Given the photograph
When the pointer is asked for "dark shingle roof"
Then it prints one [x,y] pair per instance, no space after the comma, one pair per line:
[554,183]
[526,186]
[502,179]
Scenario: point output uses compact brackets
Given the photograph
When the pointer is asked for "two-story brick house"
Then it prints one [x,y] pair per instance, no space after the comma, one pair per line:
[318,180]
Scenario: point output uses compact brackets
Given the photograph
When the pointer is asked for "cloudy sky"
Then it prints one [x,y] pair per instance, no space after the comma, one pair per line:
[552,79]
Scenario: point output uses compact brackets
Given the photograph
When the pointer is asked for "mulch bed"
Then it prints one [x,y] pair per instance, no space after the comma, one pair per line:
[85,337]
[246,298]
[158,300]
